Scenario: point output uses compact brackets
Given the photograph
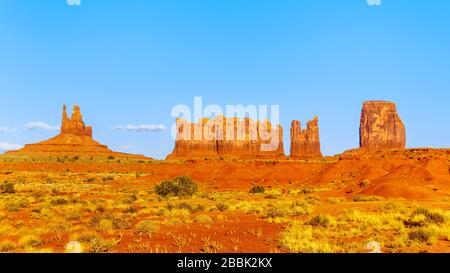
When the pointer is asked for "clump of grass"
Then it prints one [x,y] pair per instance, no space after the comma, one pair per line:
[105,225]
[422,217]
[7,247]
[203,219]
[182,186]
[7,188]
[420,235]
[302,239]
[30,241]
[147,228]
[257,189]
[365,198]
[319,221]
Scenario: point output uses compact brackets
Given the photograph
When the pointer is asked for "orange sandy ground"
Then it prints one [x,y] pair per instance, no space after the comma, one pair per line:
[411,178]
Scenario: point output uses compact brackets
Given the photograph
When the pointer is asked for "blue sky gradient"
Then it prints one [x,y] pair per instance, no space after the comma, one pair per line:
[130,62]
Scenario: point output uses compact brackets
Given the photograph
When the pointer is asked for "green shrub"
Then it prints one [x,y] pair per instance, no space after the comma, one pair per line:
[182,186]
[7,187]
[257,189]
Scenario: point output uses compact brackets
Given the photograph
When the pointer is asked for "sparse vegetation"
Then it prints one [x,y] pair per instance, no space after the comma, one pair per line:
[257,189]
[182,186]
[7,188]
[47,210]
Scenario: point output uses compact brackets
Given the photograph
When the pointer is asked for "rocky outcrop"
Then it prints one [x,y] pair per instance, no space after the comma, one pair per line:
[75,125]
[227,137]
[305,143]
[381,126]
[75,139]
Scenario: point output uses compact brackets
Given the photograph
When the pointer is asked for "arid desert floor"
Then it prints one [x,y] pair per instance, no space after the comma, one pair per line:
[397,199]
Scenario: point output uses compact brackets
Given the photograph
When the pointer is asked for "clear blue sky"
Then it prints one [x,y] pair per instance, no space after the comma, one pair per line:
[130,62]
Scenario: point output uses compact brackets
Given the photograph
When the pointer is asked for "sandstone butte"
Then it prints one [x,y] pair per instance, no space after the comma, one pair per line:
[75,139]
[305,143]
[227,137]
[381,126]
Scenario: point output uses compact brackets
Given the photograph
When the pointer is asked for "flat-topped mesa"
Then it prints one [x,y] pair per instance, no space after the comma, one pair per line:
[74,125]
[381,126]
[305,143]
[227,137]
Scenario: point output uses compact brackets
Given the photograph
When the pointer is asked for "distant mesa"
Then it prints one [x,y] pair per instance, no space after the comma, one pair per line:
[228,137]
[305,143]
[74,139]
[381,126]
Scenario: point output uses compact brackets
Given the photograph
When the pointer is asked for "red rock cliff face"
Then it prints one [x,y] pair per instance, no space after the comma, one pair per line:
[227,137]
[381,126]
[306,142]
[74,125]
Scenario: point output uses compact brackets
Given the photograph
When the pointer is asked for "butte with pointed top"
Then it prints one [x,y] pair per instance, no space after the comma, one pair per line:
[75,139]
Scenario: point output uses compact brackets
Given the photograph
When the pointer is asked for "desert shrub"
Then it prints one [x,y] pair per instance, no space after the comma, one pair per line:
[422,217]
[108,178]
[182,186]
[90,180]
[420,236]
[222,206]
[319,221]
[302,239]
[147,227]
[7,187]
[436,218]
[186,206]
[119,223]
[111,157]
[417,220]
[105,225]
[30,241]
[100,245]
[257,189]
[106,222]
[203,219]
[365,183]
[365,198]
[59,202]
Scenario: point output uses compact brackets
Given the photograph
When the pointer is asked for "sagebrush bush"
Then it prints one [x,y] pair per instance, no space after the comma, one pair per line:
[257,189]
[319,221]
[182,186]
[7,187]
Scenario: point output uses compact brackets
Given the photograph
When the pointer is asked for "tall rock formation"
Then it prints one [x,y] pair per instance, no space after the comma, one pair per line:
[75,125]
[305,143]
[381,126]
[75,139]
[227,137]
